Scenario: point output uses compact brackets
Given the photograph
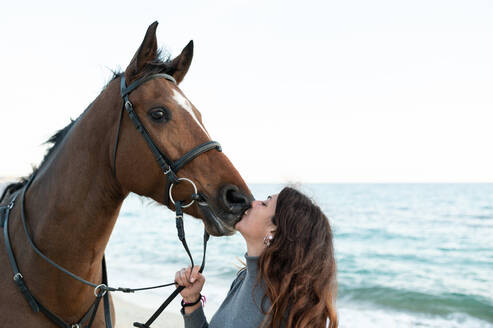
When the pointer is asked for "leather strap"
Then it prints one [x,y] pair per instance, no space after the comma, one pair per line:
[168,167]
[181,236]
[106,298]
[18,278]
[3,210]
[134,85]
[181,230]
[160,158]
[194,153]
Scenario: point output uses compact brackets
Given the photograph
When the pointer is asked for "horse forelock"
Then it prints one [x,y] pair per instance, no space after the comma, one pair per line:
[160,64]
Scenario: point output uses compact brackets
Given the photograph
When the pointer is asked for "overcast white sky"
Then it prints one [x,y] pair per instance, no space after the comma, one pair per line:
[308,91]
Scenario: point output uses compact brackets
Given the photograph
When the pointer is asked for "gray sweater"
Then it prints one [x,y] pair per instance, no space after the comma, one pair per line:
[240,309]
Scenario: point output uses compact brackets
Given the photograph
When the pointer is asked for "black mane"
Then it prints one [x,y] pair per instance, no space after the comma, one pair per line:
[160,64]
[54,140]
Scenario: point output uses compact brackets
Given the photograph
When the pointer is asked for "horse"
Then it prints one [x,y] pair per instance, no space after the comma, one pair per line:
[74,196]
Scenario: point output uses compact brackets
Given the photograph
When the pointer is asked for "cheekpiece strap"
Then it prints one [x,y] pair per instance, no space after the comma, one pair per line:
[160,158]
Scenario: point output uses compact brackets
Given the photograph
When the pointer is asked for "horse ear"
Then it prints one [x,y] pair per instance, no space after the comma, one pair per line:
[146,53]
[179,66]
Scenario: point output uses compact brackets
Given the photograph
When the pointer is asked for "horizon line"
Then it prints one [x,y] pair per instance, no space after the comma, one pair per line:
[4,179]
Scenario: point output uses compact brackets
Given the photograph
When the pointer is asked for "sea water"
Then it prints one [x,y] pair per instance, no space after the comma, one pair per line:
[408,255]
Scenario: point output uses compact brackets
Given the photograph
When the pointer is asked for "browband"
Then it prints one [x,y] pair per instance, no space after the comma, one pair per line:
[135,84]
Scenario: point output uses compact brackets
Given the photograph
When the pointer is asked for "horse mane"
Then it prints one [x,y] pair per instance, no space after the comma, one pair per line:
[54,140]
[160,64]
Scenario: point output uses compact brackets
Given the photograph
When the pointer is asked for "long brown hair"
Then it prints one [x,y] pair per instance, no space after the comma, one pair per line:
[298,268]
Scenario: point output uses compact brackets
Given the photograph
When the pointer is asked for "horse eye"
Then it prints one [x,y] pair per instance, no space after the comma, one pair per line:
[160,114]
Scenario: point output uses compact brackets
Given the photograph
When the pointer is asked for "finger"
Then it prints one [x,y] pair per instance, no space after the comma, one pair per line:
[183,278]
[177,278]
[194,275]
[200,277]
[188,274]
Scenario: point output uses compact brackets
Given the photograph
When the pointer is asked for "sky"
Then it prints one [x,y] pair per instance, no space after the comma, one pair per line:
[295,91]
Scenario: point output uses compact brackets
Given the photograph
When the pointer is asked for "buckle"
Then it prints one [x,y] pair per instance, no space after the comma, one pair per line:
[18,276]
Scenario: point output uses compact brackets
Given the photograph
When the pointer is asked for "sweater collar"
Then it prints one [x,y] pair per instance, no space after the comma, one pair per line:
[251,264]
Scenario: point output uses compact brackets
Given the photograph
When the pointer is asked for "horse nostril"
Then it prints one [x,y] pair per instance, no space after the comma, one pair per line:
[233,199]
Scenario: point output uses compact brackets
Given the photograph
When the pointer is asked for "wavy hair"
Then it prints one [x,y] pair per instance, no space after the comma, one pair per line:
[298,268]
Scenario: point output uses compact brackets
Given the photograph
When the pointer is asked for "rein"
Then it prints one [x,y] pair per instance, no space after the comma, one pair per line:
[101,290]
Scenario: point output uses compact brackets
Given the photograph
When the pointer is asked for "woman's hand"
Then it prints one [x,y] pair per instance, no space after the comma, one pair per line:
[193,281]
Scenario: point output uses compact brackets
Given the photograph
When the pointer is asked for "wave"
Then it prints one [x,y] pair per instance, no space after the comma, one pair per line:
[418,302]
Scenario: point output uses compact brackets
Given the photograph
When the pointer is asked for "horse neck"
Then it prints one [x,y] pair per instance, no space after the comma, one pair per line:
[74,201]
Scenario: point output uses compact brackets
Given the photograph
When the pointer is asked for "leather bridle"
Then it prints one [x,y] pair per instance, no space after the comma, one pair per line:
[169,168]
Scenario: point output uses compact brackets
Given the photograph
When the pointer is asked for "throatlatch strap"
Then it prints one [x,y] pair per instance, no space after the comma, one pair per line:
[3,210]
[115,148]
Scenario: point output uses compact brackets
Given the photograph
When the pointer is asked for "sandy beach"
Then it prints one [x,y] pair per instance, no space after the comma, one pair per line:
[127,313]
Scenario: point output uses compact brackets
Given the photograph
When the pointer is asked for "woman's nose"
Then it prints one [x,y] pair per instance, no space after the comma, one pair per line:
[256,203]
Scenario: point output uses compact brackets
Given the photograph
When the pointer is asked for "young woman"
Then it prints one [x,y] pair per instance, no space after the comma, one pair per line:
[290,274]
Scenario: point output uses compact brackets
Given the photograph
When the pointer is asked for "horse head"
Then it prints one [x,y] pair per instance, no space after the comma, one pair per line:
[175,126]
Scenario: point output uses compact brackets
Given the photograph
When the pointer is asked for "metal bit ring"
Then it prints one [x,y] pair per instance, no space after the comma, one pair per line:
[171,193]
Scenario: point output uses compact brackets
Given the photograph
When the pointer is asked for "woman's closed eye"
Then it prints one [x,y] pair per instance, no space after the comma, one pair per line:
[268,198]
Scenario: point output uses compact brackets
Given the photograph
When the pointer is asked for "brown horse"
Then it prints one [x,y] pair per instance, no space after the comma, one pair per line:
[75,197]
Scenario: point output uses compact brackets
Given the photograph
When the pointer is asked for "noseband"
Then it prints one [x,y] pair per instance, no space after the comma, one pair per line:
[169,168]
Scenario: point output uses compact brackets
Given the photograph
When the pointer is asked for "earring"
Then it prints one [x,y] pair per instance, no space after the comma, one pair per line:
[267,240]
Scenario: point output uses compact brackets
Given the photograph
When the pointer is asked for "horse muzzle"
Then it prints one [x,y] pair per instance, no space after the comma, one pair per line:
[231,204]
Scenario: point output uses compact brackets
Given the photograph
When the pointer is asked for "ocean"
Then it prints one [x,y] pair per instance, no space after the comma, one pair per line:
[408,255]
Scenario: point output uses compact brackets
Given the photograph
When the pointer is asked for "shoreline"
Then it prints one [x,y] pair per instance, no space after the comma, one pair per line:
[127,313]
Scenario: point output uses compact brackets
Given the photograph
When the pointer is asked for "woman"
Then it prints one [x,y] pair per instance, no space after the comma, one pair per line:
[290,274]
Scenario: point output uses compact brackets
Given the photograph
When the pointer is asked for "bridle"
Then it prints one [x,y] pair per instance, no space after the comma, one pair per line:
[169,168]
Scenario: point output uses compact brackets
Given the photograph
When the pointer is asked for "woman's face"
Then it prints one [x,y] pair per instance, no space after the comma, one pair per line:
[256,223]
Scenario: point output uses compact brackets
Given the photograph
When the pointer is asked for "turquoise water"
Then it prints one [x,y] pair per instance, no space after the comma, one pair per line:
[408,255]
